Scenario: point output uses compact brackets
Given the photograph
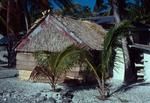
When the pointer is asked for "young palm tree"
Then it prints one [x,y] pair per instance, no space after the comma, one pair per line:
[53,65]
[110,41]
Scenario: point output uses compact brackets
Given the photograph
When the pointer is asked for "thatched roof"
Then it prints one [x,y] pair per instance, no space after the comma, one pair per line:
[55,33]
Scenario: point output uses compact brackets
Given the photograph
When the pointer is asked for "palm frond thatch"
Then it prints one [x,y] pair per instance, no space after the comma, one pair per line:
[56,33]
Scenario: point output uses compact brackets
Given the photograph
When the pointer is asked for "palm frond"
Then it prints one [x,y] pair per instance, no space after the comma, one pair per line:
[66,55]
[110,41]
[53,65]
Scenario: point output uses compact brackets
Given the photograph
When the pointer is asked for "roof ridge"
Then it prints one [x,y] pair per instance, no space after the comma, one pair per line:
[71,34]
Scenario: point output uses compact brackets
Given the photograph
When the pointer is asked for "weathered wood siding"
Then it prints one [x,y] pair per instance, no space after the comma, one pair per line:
[24,74]
[25,61]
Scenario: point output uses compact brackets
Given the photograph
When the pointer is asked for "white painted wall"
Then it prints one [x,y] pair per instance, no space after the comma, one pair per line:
[147,67]
[119,71]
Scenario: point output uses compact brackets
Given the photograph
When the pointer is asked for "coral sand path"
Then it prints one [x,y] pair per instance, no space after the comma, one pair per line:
[13,90]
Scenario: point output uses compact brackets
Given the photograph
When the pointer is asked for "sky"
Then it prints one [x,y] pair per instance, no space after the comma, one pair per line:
[89,3]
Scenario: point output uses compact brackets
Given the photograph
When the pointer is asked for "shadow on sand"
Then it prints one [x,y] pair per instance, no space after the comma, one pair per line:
[128,87]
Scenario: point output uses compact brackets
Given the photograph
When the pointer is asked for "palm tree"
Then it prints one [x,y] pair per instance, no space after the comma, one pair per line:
[122,8]
[114,8]
[16,17]
[53,65]
[117,12]
[136,14]
[110,42]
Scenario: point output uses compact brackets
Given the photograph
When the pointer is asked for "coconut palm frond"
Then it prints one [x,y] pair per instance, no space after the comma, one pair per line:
[65,60]
[110,39]
[39,71]
[41,58]
[108,55]
[53,65]
[67,57]
[134,13]
[112,35]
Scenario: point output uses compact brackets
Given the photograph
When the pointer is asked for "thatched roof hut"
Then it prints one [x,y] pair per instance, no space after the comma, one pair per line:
[55,33]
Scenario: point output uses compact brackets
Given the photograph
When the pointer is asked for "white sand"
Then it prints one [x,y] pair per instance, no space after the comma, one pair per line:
[25,92]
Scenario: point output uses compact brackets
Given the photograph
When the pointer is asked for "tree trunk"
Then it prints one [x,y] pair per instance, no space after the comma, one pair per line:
[121,8]
[126,58]
[115,11]
[53,83]
[12,27]
[101,82]
[146,6]
[8,34]
[127,52]
[53,87]
[98,5]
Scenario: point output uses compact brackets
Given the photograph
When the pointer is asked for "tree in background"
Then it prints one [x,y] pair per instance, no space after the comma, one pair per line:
[146,4]
[98,5]
[11,20]
[17,16]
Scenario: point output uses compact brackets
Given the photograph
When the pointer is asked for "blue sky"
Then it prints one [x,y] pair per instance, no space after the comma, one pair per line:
[89,3]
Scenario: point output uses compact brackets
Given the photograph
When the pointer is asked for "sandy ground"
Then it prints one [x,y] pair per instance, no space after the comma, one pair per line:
[13,90]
